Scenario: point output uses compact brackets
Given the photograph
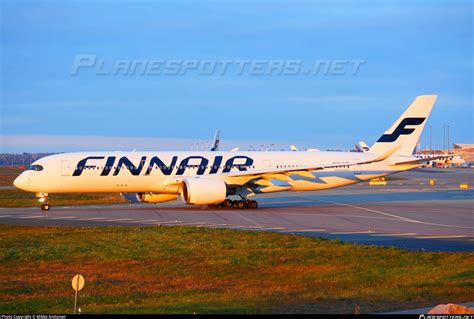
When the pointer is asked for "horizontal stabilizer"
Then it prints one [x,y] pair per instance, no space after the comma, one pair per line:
[421,160]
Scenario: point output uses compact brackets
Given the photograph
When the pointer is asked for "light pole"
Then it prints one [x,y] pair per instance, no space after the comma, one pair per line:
[431,139]
[448,140]
[444,137]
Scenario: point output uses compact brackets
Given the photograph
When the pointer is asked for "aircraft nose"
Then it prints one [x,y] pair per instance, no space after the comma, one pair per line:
[21,181]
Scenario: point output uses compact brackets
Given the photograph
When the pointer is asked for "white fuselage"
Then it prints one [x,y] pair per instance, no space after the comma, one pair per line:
[152,171]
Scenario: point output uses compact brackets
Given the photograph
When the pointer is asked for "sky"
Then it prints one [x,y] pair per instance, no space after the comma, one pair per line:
[61,89]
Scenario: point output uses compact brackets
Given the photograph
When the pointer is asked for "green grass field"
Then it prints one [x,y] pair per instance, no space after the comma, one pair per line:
[187,270]
[12,197]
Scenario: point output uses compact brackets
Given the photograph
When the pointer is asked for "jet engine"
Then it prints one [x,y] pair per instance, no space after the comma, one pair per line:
[202,191]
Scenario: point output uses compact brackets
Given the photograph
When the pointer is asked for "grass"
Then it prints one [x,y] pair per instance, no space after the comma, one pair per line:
[16,198]
[187,270]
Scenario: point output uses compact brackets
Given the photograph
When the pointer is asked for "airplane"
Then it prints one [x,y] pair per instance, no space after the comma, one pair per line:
[293,148]
[216,141]
[444,161]
[215,177]
[361,146]
[450,160]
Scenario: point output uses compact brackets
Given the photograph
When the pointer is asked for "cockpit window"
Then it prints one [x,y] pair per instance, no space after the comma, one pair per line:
[35,168]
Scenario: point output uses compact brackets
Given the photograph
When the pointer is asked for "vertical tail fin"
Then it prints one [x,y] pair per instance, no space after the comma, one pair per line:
[406,131]
[362,147]
[216,141]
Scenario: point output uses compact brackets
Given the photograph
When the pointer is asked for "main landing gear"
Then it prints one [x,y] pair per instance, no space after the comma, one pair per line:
[236,204]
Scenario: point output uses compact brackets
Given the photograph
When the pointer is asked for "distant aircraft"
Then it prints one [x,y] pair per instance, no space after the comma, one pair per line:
[362,147]
[216,141]
[216,177]
[451,160]
[441,160]
[293,148]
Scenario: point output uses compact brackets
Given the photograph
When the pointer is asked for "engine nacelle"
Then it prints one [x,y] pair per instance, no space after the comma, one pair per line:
[149,198]
[202,191]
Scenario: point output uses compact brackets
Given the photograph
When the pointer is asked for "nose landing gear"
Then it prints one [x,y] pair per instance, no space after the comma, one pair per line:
[44,200]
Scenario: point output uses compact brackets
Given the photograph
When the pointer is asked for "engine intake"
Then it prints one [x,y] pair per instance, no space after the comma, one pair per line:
[202,191]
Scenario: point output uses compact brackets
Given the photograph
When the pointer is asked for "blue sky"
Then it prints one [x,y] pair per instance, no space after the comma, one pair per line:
[409,48]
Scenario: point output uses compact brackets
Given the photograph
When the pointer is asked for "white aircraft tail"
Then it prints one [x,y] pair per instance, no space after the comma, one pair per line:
[362,147]
[216,141]
[406,131]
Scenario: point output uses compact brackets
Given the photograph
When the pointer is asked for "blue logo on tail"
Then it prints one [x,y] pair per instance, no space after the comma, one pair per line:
[401,129]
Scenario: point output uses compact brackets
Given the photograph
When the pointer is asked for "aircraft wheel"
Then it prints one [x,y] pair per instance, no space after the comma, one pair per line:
[252,204]
[227,203]
[238,204]
[45,207]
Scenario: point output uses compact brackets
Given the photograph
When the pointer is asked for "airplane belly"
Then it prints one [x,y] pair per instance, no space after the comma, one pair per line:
[106,184]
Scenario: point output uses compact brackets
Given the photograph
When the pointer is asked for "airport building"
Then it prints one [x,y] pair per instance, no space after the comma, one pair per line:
[466,151]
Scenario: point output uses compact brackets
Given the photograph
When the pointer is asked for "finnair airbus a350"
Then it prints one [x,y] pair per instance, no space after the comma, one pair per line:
[210,178]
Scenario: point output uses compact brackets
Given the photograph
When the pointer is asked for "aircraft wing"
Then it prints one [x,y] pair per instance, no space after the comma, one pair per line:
[243,177]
